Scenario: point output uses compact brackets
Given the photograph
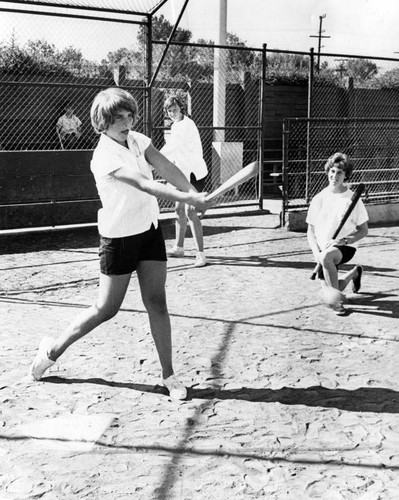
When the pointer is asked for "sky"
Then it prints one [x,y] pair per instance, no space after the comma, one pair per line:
[360,27]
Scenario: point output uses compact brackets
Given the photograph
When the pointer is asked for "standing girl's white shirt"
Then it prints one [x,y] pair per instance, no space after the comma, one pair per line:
[183,147]
[126,210]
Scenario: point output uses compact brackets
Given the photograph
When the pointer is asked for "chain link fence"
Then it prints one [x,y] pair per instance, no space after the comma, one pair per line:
[355,87]
[372,144]
[353,107]
[224,101]
[40,78]
[239,98]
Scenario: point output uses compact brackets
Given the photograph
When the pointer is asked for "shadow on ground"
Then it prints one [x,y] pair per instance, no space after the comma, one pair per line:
[363,399]
[85,237]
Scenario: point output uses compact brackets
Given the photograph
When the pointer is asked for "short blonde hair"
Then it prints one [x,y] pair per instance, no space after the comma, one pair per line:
[107,104]
[340,160]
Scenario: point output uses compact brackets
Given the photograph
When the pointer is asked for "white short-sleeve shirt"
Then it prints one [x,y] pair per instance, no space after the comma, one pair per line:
[126,210]
[326,211]
[184,148]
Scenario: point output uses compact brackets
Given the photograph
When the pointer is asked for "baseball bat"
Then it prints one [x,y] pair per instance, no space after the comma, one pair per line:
[235,180]
[355,198]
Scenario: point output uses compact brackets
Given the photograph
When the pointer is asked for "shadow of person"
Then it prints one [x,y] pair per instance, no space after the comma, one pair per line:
[376,304]
[363,399]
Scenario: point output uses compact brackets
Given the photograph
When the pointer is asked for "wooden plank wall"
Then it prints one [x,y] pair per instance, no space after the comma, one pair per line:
[46,188]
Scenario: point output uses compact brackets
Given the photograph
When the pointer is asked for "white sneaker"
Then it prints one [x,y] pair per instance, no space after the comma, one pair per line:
[200,260]
[176,389]
[42,362]
[176,252]
[339,310]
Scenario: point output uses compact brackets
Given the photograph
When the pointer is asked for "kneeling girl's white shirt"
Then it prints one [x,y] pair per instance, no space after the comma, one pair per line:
[326,211]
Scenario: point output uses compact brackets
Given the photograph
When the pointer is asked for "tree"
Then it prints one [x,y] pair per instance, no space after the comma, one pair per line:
[387,80]
[361,69]
[132,60]
[72,60]
[287,69]
[161,29]
[40,57]
[13,59]
[43,52]
[239,59]
[182,62]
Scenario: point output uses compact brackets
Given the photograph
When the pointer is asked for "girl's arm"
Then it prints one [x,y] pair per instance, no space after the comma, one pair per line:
[167,169]
[143,183]
[313,242]
[360,233]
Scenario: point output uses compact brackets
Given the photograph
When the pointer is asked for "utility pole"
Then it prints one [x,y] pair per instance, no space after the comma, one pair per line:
[320,36]
[219,85]
[341,67]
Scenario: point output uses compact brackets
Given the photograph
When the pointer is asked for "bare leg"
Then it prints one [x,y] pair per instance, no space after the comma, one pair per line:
[111,294]
[196,228]
[329,260]
[347,278]
[152,279]
[181,224]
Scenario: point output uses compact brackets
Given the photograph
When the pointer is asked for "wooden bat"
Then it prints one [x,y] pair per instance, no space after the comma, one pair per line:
[355,198]
[235,180]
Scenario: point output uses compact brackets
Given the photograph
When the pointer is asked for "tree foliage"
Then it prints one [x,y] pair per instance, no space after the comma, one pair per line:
[283,69]
[161,29]
[387,80]
[42,58]
[192,62]
[361,69]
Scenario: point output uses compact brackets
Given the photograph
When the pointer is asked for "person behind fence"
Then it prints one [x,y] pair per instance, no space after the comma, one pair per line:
[69,128]
[131,237]
[183,147]
[325,212]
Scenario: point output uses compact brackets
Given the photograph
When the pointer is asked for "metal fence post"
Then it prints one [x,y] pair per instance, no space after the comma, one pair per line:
[148,112]
[286,135]
[310,96]
[261,133]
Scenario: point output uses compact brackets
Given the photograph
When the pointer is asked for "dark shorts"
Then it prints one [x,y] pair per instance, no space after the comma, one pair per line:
[122,255]
[347,254]
[199,185]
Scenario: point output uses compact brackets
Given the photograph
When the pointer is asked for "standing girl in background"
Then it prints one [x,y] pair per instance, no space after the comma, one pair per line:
[184,149]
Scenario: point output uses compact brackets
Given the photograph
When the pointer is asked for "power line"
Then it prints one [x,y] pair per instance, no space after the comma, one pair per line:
[320,36]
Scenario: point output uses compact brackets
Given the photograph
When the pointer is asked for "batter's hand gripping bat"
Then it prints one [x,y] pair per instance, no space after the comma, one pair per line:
[355,198]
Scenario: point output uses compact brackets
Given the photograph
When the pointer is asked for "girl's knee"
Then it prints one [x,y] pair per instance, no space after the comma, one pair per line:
[323,259]
[328,257]
[180,211]
[105,313]
[156,304]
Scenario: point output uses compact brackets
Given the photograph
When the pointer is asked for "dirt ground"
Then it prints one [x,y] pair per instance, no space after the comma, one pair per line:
[286,400]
